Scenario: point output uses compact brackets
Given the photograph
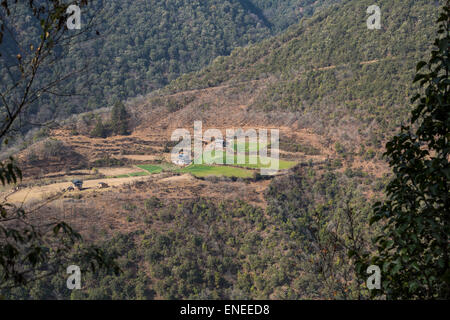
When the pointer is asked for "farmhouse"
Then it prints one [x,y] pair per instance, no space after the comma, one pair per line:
[78,184]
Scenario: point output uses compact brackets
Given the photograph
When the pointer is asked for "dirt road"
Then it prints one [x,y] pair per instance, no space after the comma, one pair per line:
[41,193]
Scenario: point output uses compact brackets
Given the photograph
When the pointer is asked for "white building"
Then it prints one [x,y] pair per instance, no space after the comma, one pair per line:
[183,160]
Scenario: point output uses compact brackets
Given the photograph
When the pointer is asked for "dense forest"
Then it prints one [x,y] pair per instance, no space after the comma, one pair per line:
[130,48]
[332,68]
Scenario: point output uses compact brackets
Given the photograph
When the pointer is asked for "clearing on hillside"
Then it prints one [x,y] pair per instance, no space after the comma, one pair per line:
[202,171]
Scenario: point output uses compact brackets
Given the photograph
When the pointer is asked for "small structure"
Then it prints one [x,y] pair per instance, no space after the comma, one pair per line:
[78,184]
[18,187]
[70,189]
[183,160]
[102,185]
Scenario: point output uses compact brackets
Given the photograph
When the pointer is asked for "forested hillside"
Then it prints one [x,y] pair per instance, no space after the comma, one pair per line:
[280,14]
[231,250]
[331,68]
[335,89]
[142,45]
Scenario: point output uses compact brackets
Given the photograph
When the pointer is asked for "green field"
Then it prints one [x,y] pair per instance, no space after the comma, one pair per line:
[243,147]
[283,164]
[205,170]
[202,171]
[248,147]
[251,162]
[151,168]
[252,159]
[138,174]
[134,174]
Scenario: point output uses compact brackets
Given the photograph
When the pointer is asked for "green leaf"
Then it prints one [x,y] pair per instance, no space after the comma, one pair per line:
[420,65]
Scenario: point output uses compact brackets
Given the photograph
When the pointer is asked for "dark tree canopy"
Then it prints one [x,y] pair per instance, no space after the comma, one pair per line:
[413,251]
[119,119]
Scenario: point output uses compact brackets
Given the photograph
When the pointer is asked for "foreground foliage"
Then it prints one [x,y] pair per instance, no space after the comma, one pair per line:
[413,249]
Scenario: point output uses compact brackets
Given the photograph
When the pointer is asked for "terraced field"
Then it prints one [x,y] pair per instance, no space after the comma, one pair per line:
[203,171]
[246,155]
[250,161]
[147,169]
[151,168]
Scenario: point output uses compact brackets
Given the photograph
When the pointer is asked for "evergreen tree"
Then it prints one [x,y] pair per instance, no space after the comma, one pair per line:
[99,130]
[119,119]
[413,251]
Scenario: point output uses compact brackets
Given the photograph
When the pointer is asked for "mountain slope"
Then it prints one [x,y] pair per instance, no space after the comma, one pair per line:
[334,89]
[330,70]
[327,39]
[329,75]
[283,13]
[142,45]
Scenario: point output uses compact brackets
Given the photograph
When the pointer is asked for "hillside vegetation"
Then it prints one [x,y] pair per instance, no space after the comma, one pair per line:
[331,70]
[133,47]
[202,249]
[335,89]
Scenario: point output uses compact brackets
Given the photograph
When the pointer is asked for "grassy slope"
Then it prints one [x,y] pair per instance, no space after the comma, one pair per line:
[205,171]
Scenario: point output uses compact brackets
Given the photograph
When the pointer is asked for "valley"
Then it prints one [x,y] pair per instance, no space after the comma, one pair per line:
[120,162]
